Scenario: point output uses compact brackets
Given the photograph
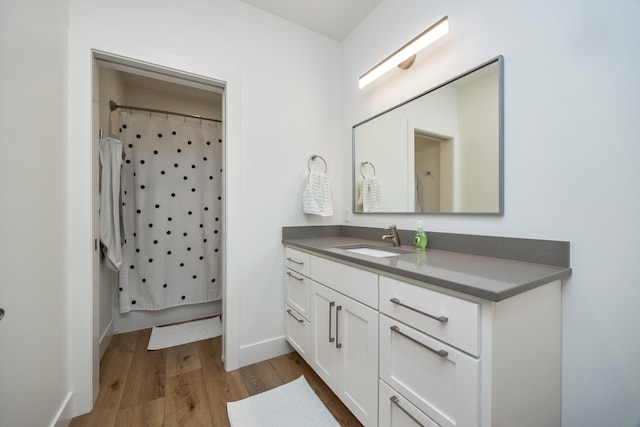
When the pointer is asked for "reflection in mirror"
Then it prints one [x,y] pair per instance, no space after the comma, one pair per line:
[440,152]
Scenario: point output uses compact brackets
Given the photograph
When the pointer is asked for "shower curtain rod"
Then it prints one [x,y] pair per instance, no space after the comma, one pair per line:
[115,106]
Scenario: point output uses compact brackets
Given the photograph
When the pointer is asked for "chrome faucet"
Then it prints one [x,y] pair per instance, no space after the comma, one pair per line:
[395,239]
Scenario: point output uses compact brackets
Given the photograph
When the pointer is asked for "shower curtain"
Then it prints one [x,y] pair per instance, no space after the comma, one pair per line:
[171,211]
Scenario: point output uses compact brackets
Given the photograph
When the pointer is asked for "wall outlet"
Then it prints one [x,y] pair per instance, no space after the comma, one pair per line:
[347,215]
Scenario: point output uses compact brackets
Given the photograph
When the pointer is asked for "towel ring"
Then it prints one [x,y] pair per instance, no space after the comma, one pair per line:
[362,168]
[315,156]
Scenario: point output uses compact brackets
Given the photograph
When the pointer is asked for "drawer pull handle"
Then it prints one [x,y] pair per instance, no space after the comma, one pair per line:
[295,261]
[291,314]
[441,319]
[331,304]
[441,353]
[396,401]
[338,343]
[290,274]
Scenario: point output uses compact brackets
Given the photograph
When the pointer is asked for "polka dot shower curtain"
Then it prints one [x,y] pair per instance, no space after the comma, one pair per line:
[171,211]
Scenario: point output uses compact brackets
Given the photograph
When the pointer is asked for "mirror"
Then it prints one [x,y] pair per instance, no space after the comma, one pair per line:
[440,152]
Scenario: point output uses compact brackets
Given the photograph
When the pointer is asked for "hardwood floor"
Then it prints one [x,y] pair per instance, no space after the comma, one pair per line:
[187,385]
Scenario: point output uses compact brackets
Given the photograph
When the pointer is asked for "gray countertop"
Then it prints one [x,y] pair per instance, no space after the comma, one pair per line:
[486,277]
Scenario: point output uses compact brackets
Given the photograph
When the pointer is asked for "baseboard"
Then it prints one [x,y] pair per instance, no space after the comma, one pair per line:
[63,416]
[257,352]
[105,338]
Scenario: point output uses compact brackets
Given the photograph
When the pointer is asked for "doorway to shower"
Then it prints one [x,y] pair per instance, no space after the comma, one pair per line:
[153,94]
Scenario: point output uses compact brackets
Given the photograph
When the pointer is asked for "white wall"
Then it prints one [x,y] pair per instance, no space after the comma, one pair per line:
[162,95]
[571,89]
[33,334]
[283,104]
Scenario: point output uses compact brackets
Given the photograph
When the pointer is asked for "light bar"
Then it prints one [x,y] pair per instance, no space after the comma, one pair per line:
[421,41]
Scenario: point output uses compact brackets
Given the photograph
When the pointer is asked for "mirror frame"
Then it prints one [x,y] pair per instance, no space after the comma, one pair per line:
[500,61]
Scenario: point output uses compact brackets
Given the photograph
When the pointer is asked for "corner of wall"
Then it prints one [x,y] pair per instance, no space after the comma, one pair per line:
[63,416]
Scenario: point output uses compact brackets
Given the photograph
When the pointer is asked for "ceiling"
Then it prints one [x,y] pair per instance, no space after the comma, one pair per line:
[332,18]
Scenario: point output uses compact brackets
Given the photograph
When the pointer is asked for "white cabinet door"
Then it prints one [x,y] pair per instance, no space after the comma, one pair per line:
[357,336]
[344,350]
[438,379]
[324,357]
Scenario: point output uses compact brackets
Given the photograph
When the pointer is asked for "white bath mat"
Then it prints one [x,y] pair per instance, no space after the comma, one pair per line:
[293,404]
[169,336]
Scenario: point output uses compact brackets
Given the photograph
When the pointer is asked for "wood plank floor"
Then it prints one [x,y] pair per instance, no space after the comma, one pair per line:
[187,385]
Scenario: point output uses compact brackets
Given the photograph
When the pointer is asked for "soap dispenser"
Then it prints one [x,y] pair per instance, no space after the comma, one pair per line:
[420,238]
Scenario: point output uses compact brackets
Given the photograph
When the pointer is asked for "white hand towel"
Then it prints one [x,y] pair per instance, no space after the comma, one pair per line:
[316,198]
[111,160]
[371,195]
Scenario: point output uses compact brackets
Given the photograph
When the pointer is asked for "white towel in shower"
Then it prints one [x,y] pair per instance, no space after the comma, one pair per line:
[316,198]
[111,161]
[370,195]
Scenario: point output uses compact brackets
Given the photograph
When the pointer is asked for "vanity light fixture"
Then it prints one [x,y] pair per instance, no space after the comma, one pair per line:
[405,56]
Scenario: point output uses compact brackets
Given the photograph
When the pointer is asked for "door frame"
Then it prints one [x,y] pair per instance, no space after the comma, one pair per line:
[82,312]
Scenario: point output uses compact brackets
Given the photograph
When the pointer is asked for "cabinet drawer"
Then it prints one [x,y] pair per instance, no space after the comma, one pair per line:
[420,308]
[444,385]
[396,411]
[298,332]
[358,284]
[297,260]
[297,292]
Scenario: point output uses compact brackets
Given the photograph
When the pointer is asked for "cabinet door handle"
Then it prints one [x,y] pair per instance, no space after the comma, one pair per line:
[441,353]
[290,274]
[331,304]
[291,314]
[295,261]
[441,319]
[396,401]
[338,343]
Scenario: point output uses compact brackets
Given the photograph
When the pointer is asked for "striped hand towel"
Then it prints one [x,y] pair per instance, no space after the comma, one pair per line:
[370,195]
[316,198]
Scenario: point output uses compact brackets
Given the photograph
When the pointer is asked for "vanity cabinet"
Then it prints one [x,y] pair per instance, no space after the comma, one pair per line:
[403,352]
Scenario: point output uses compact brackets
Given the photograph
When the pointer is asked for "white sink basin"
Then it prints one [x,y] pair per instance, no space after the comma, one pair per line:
[378,253]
